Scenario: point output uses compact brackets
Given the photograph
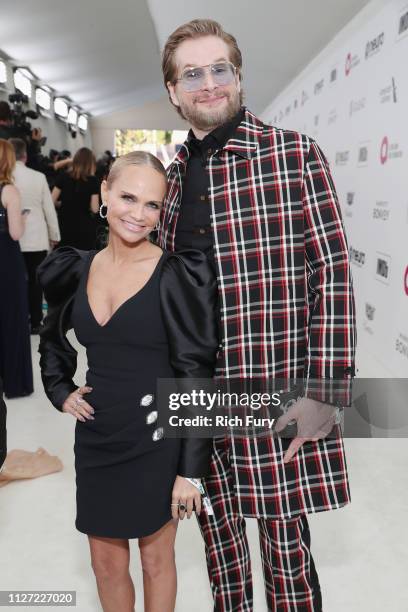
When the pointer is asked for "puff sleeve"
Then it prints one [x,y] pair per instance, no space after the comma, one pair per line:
[188,295]
[58,275]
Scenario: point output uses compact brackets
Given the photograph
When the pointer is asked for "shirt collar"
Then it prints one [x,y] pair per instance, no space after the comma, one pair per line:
[244,141]
[218,137]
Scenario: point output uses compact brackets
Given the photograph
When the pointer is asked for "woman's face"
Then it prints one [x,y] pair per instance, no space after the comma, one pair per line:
[134,201]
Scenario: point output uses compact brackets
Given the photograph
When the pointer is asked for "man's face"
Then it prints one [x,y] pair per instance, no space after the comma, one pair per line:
[212,105]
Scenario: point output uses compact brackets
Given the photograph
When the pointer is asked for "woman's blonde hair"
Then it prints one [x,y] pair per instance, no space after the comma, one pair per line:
[83,164]
[7,162]
[135,158]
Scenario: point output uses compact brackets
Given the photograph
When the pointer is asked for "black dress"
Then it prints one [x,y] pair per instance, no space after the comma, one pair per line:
[78,224]
[15,347]
[125,468]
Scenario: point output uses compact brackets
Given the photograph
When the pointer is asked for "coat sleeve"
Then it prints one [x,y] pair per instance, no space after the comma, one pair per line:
[58,275]
[331,321]
[188,292]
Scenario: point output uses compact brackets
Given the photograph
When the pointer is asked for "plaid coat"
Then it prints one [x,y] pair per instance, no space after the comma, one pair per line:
[285,289]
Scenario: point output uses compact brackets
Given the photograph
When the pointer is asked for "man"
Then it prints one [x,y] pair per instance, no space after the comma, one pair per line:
[41,232]
[261,203]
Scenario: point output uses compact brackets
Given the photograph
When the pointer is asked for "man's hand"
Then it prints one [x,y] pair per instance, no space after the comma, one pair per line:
[53,244]
[314,420]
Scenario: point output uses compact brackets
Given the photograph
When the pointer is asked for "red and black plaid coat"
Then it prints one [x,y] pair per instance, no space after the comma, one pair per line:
[285,288]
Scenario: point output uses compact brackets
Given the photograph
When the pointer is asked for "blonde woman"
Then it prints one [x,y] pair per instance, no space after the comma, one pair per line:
[142,314]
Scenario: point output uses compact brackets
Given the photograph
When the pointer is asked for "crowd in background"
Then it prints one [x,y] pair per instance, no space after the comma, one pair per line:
[39,210]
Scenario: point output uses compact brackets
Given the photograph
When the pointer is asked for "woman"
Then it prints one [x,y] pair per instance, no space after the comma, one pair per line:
[142,314]
[15,347]
[78,192]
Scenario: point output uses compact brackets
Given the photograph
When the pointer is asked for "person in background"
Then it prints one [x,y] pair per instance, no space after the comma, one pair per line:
[15,348]
[41,231]
[78,192]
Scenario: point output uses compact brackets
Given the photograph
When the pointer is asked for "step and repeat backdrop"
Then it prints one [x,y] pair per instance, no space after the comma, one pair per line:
[354,102]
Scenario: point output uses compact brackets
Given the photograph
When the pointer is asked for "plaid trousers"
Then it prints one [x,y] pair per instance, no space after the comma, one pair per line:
[291,582]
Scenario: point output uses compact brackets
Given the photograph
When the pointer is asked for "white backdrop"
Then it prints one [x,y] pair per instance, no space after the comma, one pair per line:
[353,100]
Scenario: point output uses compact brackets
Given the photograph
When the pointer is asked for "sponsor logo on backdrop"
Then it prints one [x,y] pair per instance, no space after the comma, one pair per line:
[295,104]
[342,158]
[370,311]
[316,120]
[318,88]
[401,345]
[362,159]
[357,257]
[374,45]
[351,62]
[304,98]
[403,23]
[287,110]
[383,270]
[389,93]
[357,105]
[333,75]
[370,314]
[390,150]
[280,116]
[332,118]
[350,201]
[275,119]
[381,211]
[406,281]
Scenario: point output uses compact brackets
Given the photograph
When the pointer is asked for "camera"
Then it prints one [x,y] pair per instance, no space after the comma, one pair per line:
[20,125]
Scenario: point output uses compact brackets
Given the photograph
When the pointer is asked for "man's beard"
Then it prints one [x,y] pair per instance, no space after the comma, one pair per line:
[207,121]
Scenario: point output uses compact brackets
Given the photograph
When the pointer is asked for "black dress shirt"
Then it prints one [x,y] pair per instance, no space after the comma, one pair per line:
[194,222]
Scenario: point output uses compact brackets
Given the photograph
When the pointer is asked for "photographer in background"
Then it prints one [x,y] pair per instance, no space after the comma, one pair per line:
[13,124]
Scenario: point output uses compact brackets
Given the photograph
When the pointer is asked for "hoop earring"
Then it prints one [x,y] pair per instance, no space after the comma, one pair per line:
[103,216]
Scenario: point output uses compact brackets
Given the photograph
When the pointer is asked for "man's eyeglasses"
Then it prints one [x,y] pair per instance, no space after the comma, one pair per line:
[193,79]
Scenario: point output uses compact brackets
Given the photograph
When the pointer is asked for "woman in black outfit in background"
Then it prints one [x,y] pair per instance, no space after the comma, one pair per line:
[78,192]
[15,347]
[142,314]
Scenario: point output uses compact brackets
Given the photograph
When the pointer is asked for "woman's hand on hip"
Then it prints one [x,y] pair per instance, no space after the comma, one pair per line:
[185,495]
[77,406]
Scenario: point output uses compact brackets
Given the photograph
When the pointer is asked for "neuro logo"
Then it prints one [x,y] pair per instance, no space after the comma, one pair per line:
[384,150]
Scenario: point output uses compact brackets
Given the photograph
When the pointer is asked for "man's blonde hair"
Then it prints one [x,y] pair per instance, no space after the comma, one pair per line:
[197,28]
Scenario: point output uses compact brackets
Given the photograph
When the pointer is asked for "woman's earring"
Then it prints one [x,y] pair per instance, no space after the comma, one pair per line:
[103,216]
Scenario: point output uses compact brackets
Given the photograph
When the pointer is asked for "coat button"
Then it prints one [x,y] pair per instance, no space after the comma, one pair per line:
[147,400]
[201,230]
[151,417]
[158,434]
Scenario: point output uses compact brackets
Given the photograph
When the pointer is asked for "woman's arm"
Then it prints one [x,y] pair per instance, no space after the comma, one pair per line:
[12,202]
[55,194]
[59,275]
[95,203]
